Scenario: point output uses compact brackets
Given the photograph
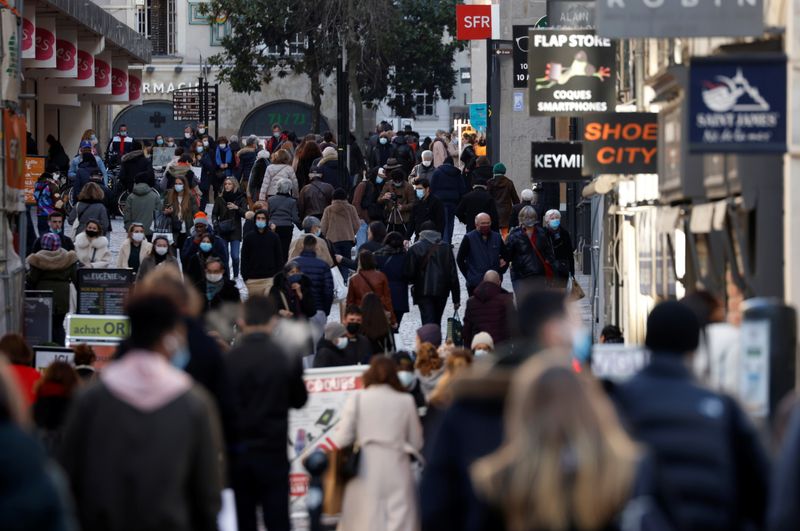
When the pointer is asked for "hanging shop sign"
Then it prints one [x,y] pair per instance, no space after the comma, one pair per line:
[685,18]
[556,161]
[573,72]
[620,143]
[520,55]
[44,44]
[27,41]
[96,328]
[478,116]
[570,14]
[15,142]
[473,22]
[737,104]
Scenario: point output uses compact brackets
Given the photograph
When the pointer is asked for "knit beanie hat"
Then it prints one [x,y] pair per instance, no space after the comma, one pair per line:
[51,242]
[430,333]
[482,338]
[201,219]
[672,328]
[499,169]
[334,331]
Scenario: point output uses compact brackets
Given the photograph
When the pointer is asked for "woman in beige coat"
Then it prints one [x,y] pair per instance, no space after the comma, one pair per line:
[383,421]
[340,223]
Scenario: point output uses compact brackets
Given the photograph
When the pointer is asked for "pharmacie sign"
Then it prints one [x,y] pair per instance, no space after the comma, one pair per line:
[620,143]
[556,161]
[572,72]
[737,104]
[679,18]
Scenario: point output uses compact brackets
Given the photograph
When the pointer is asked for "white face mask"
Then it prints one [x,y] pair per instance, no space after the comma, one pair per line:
[427,163]
[179,188]
[407,379]
[481,352]
[161,251]
[187,135]
[205,143]
[201,130]
[223,146]
[342,343]
[213,277]
[137,236]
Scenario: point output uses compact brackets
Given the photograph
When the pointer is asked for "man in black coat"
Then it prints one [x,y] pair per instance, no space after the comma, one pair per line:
[488,310]
[56,222]
[133,164]
[262,256]
[473,203]
[358,347]
[267,382]
[431,270]
[427,207]
[332,350]
[219,289]
[708,455]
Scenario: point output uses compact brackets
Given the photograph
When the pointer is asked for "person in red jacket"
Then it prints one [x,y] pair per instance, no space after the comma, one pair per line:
[21,357]
[488,310]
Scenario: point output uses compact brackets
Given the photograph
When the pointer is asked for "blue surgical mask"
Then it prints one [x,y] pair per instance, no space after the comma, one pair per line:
[205,247]
[261,224]
[199,149]
[160,141]
[180,359]
[407,379]
[384,140]
[179,188]
[555,223]
[379,180]
[296,278]
[420,193]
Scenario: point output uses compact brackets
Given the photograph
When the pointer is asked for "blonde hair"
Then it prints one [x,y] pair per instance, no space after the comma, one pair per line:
[233,181]
[281,157]
[428,359]
[566,461]
[458,361]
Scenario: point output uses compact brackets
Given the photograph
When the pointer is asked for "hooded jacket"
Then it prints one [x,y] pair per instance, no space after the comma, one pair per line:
[273,174]
[321,279]
[505,197]
[431,268]
[133,164]
[141,206]
[448,184]
[488,310]
[88,210]
[53,271]
[147,422]
[94,253]
[329,355]
[340,222]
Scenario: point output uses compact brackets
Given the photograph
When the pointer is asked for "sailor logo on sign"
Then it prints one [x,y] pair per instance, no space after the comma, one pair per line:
[733,94]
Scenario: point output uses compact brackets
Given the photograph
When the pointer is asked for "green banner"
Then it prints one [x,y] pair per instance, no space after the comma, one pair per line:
[98,327]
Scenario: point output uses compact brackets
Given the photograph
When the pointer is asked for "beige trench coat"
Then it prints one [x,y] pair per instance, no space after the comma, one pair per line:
[382,497]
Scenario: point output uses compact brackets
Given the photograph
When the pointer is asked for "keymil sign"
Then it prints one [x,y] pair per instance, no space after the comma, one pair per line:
[556,161]
[573,72]
[620,143]
[737,104]
[679,18]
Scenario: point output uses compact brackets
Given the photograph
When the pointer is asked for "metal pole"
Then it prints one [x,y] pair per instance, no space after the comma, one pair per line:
[342,107]
[493,85]
[200,95]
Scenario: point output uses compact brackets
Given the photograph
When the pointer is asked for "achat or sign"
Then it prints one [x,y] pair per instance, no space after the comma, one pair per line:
[473,22]
[104,328]
[620,143]
[556,161]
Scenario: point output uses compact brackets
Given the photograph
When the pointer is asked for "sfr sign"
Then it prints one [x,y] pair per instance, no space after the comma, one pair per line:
[473,22]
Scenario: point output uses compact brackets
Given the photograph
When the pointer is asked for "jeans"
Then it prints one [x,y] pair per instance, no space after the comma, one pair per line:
[234,246]
[345,249]
[431,309]
[262,479]
[361,235]
[449,221]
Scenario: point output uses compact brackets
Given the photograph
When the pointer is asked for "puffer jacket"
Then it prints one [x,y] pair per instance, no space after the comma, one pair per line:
[321,279]
[283,210]
[141,206]
[431,268]
[246,157]
[273,174]
[93,254]
[525,262]
[340,222]
[391,263]
[505,197]
[53,271]
[488,311]
[314,198]
[448,184]
[133,164]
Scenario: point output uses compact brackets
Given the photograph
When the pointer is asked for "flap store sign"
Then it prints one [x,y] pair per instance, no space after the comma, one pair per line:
[572,72]
[556,161]
[620,143]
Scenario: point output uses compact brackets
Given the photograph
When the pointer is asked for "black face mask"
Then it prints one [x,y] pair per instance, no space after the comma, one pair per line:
[92,233]
[353,328]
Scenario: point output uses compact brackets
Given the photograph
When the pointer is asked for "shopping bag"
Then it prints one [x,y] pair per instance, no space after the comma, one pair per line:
[455,330]
[339,287]
[574,289]
[226,519]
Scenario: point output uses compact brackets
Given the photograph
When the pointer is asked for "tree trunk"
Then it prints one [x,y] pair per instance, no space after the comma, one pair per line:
[355,92]
[316,102]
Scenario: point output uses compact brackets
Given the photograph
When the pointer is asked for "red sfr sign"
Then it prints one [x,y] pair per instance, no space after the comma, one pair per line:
[473,22]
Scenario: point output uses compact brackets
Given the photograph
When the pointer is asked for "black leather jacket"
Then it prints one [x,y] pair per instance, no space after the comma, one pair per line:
[525,262]
[431,268]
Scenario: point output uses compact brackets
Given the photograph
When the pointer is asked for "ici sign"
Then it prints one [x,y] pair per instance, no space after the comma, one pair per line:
[679,18]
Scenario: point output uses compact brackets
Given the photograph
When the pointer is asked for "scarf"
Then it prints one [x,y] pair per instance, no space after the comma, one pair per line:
[212,288]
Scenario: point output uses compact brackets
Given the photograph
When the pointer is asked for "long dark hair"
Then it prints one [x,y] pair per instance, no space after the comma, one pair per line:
[382,370]
[375,324]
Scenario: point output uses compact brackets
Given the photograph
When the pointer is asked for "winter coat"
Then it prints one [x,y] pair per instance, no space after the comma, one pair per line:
[405,202]
[284,300]
[53,271]
[476,202]
[195,269]
[404,154]
[141,206]
[273,174]
[385,425]
[479,175]
[375,282]
[133,164]
[365,199]
[490,309]
[262,256]
[420,171]
[224,156]
[468,159]
[167,427]
[505,197]
[267,382]
[45,192]
[273,144]
[151,261]
[247,157]
[178,170]
[322,251]
[221,212]
[440,151]
[66,243]
[707,451]
[427,209]
[57,156]
[525,262]
[563,252]
[329,355]
[330,175]
[340,222]
[431,268]
[94,253]
[85,211]
[256,179]
[283,211]
[228,294]
[319,273]
[448,184]
[302,168]
[476,256]
[145,248]
[76,161]
[514,221]
[208,171]
[314,198]
[49,412]
[391,263]
[182,222]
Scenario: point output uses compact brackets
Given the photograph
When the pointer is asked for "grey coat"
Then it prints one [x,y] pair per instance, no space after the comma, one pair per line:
[283,211]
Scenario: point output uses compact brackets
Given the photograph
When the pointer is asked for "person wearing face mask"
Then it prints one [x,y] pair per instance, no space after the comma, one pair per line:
[192,245]
[324,250]
[181,204]
[424,168]
[160,254]
[262,256]
[278,137]
[332,349]
[195,270]
[504,193]
[90,205]
[159,141]
[92,247]
[529,252]
[204,159]
[55,223]
[365,199]
[86,148]
[447,185]
[526,199]
[176,478]
[218,291]
[224,157]
[134,249]
[408,379]
[482,345]
[142,205]
[382,151]
[170,142]
[481,250]
[121,143]
[398,197]
[427,207]
[291,292]
[187,141]
[229,209]
[46,193]
[561,242]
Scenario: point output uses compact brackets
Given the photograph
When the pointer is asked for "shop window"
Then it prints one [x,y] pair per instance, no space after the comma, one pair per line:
[155,19]
[424,104]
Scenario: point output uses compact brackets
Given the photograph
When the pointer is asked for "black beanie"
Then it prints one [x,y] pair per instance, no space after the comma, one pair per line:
[672,328]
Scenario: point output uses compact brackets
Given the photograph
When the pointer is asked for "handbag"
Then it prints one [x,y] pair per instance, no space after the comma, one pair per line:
[574,289]
[348,466]
[339,287]
[225,227]
[455,330]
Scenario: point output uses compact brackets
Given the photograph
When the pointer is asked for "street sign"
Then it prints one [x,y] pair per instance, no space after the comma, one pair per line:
[97,328]
[620,143]
[660,19]
[34,168]
[573,72]
[198,104]
[38,317]
[43,357]
[737,104]
[556,161]
[473,22]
